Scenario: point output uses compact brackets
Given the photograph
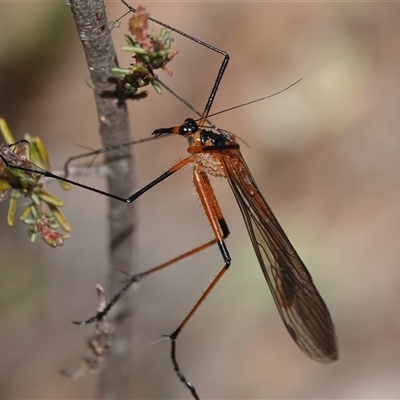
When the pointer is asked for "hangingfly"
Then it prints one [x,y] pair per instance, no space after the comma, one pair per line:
[215,152]
[302,309]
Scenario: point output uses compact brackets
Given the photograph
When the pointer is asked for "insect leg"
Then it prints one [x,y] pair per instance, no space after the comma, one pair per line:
[221,231]
[37,170]
[222,68]
[139,277]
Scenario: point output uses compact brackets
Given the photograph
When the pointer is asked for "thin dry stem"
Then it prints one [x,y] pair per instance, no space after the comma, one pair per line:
[95,34]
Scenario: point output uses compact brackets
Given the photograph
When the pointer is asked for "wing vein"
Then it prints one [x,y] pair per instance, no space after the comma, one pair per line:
[299,303]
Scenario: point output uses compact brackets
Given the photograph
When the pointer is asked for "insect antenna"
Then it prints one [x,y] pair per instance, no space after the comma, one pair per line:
[254,101]
[104,150]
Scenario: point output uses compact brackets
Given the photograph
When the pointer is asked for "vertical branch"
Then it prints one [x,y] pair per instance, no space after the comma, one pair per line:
[95,34]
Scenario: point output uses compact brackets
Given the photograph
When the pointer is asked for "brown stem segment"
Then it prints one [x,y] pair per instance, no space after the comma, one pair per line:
[95,34]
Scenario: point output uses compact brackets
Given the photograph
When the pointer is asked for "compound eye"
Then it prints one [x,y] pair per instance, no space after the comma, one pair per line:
[188,127]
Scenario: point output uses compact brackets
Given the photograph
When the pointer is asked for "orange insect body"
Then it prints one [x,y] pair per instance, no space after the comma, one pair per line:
[303,311]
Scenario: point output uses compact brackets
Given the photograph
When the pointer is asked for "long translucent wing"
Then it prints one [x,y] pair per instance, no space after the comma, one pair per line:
[301,307]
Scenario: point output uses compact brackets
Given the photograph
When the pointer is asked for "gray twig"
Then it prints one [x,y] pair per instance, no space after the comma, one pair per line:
[95,33]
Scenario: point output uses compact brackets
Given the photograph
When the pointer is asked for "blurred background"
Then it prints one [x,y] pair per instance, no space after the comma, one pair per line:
[325,154]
